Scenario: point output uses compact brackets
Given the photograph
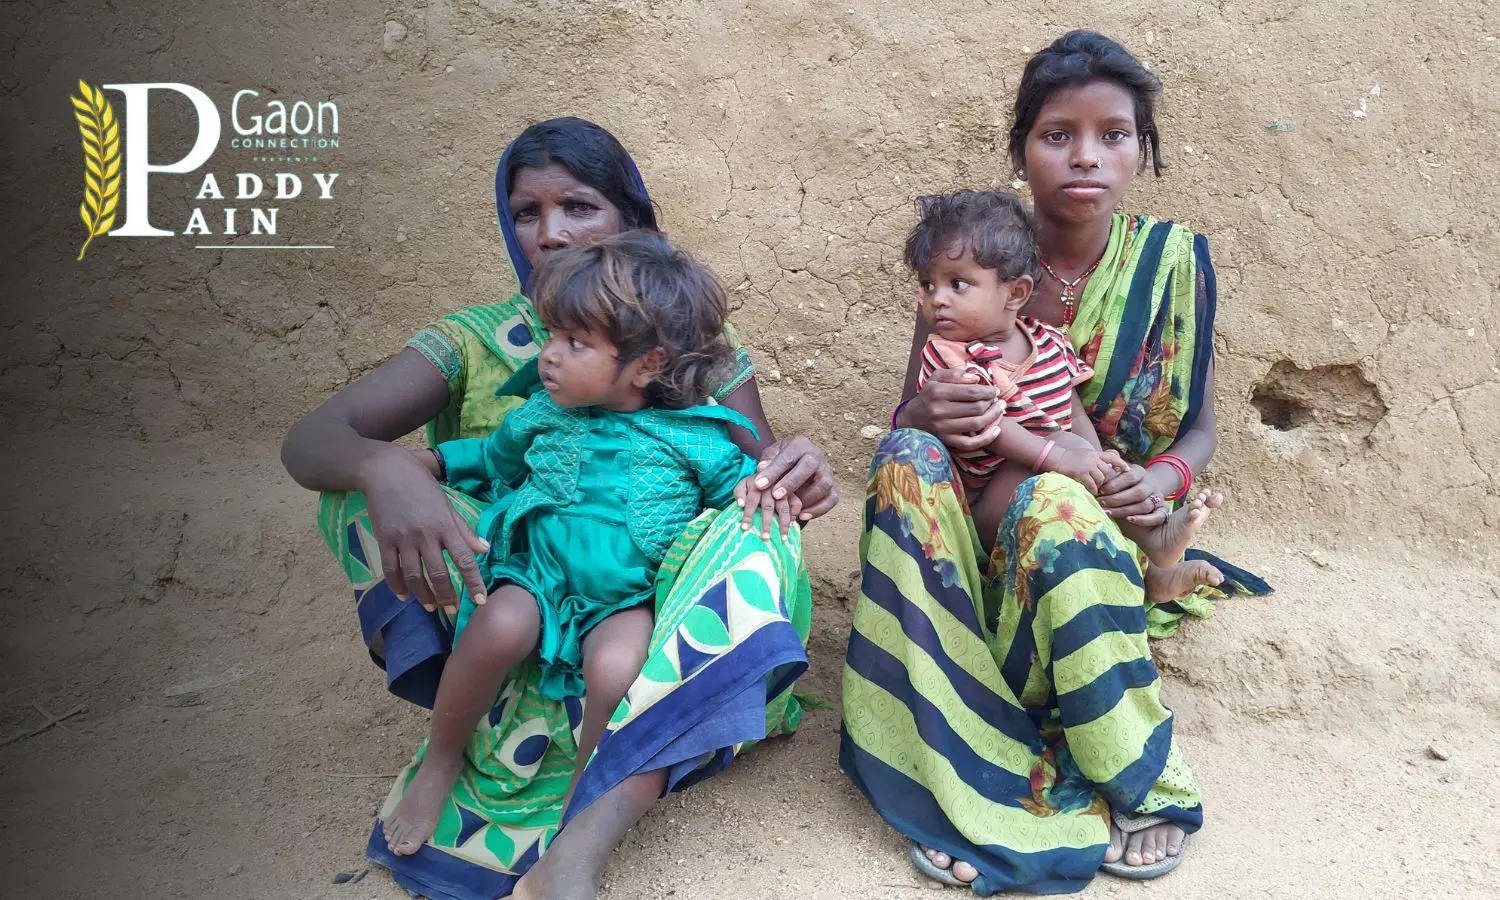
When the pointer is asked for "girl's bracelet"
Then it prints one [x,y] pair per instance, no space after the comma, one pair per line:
[1041,458]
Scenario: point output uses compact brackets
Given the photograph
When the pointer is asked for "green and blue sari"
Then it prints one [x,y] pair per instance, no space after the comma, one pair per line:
[732,617]
[997,707]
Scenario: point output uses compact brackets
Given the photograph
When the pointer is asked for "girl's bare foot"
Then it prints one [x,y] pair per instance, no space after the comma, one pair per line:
[961,870]
[417,814]
[1144,847]
[1165,543]
[1164,585]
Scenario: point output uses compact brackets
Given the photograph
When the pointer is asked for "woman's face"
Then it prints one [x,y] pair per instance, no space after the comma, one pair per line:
[554,210]
[1083,152]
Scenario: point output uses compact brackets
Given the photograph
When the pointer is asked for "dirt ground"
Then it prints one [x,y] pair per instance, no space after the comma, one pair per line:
[161,569]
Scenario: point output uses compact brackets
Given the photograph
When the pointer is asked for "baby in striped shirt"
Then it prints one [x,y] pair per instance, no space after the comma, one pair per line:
[976,259]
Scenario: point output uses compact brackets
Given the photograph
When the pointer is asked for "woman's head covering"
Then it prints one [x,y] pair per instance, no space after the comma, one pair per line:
[592,155]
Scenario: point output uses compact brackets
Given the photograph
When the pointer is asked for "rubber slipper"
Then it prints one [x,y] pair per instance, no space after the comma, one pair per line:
[1130,825]
[930,869]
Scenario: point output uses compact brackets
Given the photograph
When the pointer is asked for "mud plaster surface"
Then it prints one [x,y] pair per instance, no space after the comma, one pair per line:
[160,567]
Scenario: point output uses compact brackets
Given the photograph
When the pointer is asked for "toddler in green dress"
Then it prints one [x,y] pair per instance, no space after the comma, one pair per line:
[589,483]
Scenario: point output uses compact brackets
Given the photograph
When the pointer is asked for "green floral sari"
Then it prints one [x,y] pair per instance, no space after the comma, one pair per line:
[732,617]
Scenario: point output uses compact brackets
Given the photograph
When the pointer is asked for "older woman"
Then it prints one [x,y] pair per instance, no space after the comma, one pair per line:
[733,606]
[1001,708]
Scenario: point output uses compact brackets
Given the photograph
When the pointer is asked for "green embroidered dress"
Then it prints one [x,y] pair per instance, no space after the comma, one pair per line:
[585,503]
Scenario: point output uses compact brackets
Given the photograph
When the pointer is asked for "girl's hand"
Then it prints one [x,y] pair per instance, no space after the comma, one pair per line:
[1127,495]
[752,498]
[795,468]
[1090,468]
[957,408]
[414,524]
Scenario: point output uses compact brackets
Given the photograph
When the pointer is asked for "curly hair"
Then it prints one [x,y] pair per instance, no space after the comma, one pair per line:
[1073,60]
[641,293]
[995,226]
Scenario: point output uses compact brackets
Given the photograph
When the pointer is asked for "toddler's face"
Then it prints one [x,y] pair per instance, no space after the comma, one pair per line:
[962,300]
[581,368]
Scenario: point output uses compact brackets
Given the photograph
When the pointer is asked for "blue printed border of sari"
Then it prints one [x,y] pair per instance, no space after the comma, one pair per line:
[437,875]
[647,742]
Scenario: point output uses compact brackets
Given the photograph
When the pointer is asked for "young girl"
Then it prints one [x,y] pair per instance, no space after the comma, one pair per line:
[590,482]
[976,257]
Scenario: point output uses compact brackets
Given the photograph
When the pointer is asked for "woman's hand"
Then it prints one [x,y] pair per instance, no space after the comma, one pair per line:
[414,523]
[957,408]
[1128,495]
[794,466]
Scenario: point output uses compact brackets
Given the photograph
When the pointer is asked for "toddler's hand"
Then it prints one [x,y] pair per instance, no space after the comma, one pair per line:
[751,498]
[429,462]
[1090,468]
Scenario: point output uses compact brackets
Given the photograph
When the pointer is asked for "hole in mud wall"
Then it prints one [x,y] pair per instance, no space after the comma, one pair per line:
[1280,413]
[1289,398]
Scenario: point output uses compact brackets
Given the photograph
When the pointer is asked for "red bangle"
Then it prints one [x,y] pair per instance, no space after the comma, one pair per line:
[1041,458]
[1183,470]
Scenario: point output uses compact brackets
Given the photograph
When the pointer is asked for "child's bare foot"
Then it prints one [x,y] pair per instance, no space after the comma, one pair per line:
[417,814]
[1163,585]
[1165,543]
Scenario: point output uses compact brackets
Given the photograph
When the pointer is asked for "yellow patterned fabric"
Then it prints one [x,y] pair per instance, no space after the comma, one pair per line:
[997,708]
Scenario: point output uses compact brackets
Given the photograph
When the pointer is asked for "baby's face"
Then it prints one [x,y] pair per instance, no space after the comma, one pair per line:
[962,300]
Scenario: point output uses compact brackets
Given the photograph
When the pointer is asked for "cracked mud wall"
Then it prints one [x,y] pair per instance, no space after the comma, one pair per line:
[1339,161]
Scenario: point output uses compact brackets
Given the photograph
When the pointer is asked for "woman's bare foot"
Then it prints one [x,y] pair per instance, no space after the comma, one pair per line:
[1150,845]
[1164,585]
[417,814]
[961,870]
[1165,543]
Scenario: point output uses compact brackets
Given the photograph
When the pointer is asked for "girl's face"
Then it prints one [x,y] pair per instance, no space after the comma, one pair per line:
[1083,152]
[582,368]
[554,210]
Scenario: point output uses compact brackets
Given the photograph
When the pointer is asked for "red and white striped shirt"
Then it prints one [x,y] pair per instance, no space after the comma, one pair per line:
[1037,391]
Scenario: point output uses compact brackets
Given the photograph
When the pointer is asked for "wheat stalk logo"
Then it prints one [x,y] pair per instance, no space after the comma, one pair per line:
[101,160]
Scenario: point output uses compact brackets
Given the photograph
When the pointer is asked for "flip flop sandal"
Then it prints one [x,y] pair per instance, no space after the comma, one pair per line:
[930,869]
[1130,825]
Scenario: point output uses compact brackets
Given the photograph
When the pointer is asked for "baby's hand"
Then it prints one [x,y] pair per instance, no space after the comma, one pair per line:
[752,498]
[1090,468]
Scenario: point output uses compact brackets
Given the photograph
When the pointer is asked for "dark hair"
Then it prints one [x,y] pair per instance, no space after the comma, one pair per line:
[1075,59]
[641,292]
[995,226]
[593,155]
